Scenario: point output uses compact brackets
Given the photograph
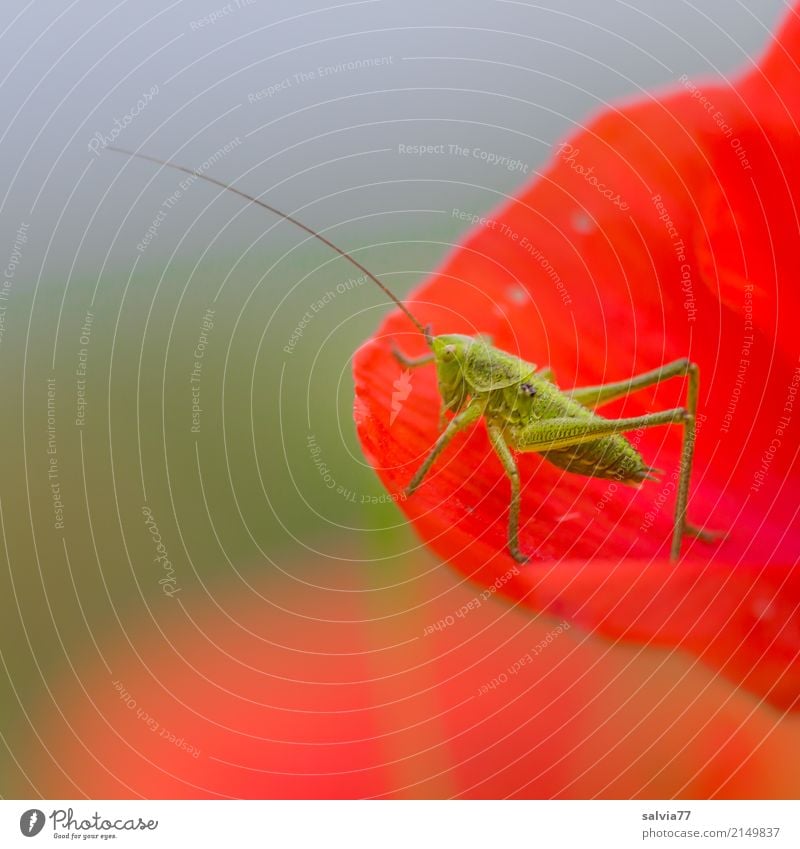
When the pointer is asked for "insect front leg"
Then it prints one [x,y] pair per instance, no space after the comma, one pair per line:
[547,434]
[465,418]
[510,465]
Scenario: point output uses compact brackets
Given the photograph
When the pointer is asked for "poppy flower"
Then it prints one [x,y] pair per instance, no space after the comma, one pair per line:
[666,228]
[245,692]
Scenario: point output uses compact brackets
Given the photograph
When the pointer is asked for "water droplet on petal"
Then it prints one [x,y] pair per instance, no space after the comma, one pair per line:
[517,294]
[582,223]
[763,608]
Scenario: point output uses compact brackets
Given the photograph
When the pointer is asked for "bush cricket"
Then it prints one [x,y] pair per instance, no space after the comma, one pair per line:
[523,408]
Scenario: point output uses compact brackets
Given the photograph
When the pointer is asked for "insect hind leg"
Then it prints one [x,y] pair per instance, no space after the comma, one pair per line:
[687,456]
[682,527]
[595,396]
[548,434]
[604,393]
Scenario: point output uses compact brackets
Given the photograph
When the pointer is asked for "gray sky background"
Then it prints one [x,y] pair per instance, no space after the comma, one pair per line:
[509,78]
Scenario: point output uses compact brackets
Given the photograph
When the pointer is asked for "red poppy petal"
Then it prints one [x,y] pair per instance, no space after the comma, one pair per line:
[752,211]
[744,621]
[776,80]
[223,700]
[621,257]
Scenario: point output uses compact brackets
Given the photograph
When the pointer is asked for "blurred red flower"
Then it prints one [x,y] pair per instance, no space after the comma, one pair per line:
[668,227]
[245,691]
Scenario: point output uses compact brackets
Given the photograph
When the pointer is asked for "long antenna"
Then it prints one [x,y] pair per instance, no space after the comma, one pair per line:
[168,164]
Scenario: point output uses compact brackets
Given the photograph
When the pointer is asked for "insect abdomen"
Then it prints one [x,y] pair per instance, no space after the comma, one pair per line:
[608,457]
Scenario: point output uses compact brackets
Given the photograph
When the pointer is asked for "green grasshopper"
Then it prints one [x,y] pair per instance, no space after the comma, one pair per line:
[523,408]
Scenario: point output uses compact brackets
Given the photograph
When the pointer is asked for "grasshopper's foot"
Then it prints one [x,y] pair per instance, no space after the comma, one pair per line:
[703,534]
[516,552]
[413,486]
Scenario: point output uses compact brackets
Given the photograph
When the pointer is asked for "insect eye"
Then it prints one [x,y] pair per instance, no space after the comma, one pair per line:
[527,389]
[449,351]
